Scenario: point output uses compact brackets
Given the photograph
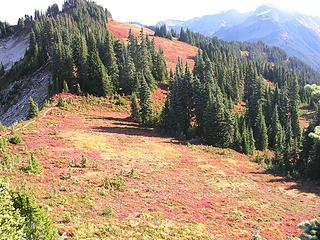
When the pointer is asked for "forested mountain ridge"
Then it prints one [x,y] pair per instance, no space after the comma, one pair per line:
[296,33]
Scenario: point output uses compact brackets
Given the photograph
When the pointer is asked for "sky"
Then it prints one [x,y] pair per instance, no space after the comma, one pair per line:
[152,11]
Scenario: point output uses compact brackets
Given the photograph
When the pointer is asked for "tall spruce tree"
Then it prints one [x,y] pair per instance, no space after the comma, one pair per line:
[276,137]
[99,82]
[218,129]
[145,101]
[109,59]
[2,71]
[135,108]
[33,109]
[261,133]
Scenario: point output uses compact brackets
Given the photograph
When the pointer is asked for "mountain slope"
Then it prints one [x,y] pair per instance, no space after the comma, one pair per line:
[209,24]
[297,34]
[172,49]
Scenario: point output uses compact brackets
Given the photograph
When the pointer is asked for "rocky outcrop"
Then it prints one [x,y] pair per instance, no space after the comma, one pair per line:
[14,99]
[13,48]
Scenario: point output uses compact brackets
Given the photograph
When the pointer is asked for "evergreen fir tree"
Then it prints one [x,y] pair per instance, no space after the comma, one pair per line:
[109,60]
[80,56]
[98,80]
[33,109]
[145,101]
[2,71]
[65,87]
[218,129]
[276,137]
[135,108]
[261,134]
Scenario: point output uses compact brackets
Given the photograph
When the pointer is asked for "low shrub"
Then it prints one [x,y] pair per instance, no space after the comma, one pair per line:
[16,139]
[84,162]
[8,161]
[61,102]
[33,165]
[108,211]
[33,109]
[2,127]
[114,183]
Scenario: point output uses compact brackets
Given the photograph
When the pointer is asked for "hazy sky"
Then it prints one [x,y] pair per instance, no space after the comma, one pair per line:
[152,11]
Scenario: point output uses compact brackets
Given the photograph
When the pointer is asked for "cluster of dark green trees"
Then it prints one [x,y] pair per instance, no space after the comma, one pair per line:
[5,29]
[309,158]
[257,52]
[201,104]
[272,86]
[163,31]
[84,55]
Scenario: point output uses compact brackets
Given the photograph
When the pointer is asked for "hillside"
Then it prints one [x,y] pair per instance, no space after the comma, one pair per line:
[296,33]
[173,190]
[173,49]
[114,147]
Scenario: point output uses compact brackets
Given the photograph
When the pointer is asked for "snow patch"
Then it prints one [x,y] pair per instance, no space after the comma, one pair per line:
[264,12]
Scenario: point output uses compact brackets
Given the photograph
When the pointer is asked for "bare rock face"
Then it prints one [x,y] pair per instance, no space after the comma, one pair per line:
[13,48]
[14,100]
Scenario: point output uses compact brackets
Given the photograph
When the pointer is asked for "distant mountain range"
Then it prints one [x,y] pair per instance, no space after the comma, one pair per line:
[296,33]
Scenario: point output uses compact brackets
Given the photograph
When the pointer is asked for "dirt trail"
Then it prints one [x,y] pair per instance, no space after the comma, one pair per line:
[43,114]
[183,191]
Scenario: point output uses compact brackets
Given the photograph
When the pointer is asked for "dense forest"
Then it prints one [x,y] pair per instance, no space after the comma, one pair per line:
[85,58]
[83,54]
[201,104]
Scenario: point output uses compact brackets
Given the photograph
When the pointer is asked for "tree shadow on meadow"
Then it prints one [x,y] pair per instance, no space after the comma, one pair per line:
[303,186]
[126,126]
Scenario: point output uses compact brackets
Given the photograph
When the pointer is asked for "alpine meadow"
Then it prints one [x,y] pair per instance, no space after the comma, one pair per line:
[114,130]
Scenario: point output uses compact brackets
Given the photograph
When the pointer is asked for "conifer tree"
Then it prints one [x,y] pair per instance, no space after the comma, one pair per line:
[65,87]
[145,101]
[33,109]
[130,83]
[200,102]
[2,71]
[218,129]
[276,138]
[251,142]
[109,60]
[143,62]
[80,56]
[261,134]
[237,139]
[98,80]
[135,108]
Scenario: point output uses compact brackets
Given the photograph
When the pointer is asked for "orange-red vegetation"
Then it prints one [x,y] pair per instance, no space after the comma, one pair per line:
[304,123]
[159,97]
[239,108]
[169,188]
[173,49]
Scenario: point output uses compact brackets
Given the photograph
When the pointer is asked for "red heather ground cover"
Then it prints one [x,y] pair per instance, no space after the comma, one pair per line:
[221,189]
